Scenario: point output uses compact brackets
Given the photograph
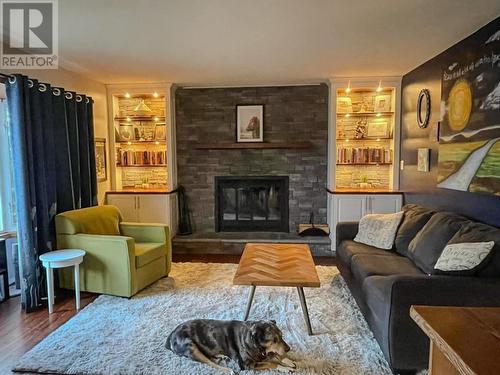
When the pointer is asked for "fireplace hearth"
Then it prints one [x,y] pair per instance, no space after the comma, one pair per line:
[251,204]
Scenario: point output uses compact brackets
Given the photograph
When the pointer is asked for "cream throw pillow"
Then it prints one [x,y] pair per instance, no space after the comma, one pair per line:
[379,230]
[466,256]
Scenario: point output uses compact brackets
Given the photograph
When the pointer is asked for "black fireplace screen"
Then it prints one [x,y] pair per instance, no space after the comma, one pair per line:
[251,204]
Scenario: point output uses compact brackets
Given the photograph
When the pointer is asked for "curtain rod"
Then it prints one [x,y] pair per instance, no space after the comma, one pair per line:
[43,87]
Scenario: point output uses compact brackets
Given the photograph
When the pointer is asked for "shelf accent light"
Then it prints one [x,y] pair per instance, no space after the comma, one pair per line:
[129,119]
[155,95]
[378,114]
[379,88]
[348,89]
[347,115]
[157,118]
[127,95]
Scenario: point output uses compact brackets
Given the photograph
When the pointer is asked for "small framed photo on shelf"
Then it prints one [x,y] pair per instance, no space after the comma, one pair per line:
[100,159]
[378,128]
[160,131]
[126,132]
[382,103]
[344,104]
[250,123]
[423,159]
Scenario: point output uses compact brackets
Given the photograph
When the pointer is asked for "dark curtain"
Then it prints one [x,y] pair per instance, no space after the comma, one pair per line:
[54,169]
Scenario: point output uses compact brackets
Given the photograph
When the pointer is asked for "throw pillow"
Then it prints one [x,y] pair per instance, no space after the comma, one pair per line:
[415,217]
[463,258]
[379,230]
[430,241]
[479,232]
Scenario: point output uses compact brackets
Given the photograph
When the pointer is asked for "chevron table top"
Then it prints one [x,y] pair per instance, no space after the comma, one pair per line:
[273,264]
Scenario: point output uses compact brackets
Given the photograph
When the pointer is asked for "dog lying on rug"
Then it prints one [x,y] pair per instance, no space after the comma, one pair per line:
[254,345]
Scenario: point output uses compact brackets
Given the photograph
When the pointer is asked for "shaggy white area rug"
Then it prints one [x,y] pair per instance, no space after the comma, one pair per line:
[116,335]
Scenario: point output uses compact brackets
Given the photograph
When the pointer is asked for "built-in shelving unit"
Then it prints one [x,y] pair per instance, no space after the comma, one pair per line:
[364,117]
[140,139]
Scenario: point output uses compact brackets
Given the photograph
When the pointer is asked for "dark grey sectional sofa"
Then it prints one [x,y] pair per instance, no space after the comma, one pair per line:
[386,283]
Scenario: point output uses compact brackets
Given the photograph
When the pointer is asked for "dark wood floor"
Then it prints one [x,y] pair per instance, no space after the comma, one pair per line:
[19,331]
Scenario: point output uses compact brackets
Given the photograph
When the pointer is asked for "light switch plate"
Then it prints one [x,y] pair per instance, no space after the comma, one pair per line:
[402,165]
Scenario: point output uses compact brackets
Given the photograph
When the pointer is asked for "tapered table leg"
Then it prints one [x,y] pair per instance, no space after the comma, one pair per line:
[303,303]
[50,289]
[77,286]
[249,303]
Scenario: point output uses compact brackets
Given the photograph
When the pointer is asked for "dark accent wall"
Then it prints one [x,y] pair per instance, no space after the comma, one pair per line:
[291,114]
[420,187]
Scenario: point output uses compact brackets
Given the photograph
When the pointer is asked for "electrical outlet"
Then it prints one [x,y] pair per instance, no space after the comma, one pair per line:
[402,165]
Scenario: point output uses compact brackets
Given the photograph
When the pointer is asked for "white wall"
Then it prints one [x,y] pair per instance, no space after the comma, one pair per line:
[75,82]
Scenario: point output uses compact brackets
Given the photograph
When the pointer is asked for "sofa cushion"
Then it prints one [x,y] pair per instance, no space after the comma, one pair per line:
[363,266]
[145,253]
[415,217]
[379,230]
[462,259]
[349,248]
[430,241]
[479,232]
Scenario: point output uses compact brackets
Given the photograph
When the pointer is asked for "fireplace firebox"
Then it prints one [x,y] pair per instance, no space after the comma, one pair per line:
[251,204]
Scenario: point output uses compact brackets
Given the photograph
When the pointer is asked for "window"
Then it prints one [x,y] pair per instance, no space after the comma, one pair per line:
[7,199]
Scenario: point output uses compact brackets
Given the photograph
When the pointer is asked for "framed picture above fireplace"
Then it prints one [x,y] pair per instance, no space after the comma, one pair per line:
[250,123]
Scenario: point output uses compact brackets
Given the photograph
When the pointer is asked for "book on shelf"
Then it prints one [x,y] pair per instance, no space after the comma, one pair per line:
[364,155]
[142,158]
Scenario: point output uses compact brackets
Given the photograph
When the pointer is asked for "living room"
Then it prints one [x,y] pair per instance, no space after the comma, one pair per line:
[272,186]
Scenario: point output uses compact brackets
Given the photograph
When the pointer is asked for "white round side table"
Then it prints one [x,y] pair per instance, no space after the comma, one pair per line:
[60,259]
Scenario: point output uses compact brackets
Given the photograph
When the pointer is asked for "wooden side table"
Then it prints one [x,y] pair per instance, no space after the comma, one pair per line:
[464,340]
[60,259]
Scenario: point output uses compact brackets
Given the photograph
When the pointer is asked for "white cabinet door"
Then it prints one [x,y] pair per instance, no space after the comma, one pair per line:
[153,208]
[384,204]
[126,203]
[349,207]
[346,207]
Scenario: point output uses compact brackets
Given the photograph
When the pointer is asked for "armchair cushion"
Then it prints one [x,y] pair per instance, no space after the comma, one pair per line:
[92,220]
[145,253]
[143,232]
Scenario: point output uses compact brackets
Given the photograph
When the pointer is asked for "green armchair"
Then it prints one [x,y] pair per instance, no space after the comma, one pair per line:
[122,258]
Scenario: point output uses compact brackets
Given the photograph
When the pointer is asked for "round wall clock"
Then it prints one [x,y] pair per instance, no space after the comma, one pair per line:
[423,108]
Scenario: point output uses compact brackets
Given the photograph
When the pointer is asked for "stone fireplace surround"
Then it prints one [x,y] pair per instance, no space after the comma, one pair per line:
[291,114]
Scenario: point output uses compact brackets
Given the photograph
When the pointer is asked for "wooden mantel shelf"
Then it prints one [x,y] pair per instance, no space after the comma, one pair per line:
[252,145]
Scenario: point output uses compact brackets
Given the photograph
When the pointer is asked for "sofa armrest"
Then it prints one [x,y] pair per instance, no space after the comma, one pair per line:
[346,230]
[405,337]
[143,232]
[109,263]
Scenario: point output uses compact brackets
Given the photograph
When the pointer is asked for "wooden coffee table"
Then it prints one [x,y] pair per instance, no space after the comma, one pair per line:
[271,264]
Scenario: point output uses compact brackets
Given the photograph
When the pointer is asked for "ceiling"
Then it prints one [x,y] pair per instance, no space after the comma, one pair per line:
[259,41]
